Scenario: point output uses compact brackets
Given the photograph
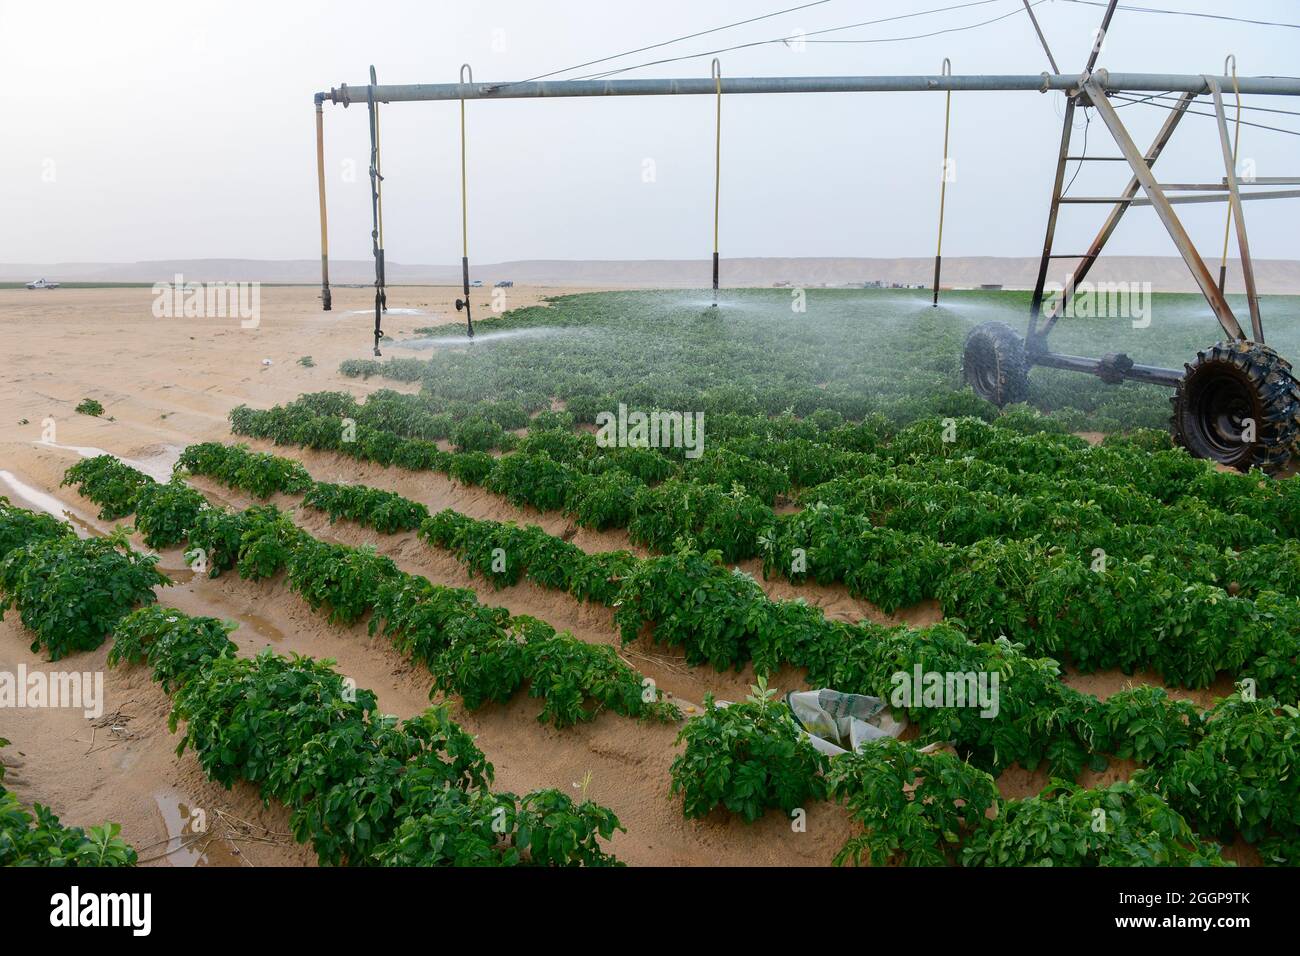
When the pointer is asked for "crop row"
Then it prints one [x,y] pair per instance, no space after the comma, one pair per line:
[926,807]
[1099,611]
[479,652]
[728,621]
[363,788]
[721,500]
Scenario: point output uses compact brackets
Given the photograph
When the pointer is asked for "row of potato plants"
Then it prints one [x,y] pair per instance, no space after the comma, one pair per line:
[613,493]
[549,561]
[1127,613]
[476,426]
[729,621]
[35,836]
[981,499]
[1166,475]
[919,808]
[363,788]
[479,652]
[1122,613]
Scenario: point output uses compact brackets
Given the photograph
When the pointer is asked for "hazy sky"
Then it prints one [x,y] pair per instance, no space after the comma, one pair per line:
[152,130]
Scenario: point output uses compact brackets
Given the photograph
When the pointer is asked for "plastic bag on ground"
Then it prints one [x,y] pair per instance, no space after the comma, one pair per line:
[837,723]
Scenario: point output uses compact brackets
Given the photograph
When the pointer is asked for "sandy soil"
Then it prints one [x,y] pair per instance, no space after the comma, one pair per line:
[166,383]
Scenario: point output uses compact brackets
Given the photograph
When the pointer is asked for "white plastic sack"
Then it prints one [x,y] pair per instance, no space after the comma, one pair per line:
[837,723]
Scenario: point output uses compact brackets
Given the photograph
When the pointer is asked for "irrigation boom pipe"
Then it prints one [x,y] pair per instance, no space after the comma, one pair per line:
[686,86]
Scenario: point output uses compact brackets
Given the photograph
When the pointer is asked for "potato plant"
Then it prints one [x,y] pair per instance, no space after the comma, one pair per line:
[114,486]
[915,808]
[1122,825]
[166,513]
[70,593]
[746,758]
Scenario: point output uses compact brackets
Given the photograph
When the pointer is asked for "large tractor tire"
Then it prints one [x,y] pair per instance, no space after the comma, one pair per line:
[994,364]
[1232,389]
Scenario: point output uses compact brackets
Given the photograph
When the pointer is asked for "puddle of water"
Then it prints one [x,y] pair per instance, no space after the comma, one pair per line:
[261,627]
[37,500]
[178,575]
[193,836]
[157,465]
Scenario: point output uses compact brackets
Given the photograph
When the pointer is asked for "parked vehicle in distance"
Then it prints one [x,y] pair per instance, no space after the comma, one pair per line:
[503,284]
[42,284]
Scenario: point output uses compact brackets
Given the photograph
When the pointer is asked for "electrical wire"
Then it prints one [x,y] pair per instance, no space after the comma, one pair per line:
[1087,121]
[850,26]
[1189,13]
[1257,109]
[655,46]
[1275,129]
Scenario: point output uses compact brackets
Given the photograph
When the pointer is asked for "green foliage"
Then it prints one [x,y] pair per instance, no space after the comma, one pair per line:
[1239,776]
[1122,825]
[532,480]
[693,601]
[71,593]
[915,807]
[363,788]
[258,473]
[478,828]
[258,540]
[90,406]
[343,579]
[166,513]
[748,758]
[114,486]
[384,511]
[175,645]
[19,526]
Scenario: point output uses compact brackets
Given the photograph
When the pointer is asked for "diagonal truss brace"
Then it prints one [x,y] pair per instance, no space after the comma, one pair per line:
[1123,201]
[1160,203]
[1234,197]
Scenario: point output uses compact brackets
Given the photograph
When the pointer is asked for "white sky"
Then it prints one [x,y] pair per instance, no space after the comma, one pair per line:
[185,129]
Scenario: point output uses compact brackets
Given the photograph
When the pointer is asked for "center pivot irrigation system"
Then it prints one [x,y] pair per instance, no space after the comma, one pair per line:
[1237,403]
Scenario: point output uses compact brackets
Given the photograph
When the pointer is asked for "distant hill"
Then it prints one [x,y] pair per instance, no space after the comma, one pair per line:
[1165,273]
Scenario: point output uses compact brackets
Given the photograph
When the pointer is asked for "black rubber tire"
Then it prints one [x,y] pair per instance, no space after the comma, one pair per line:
[994,365]
[1227,384]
